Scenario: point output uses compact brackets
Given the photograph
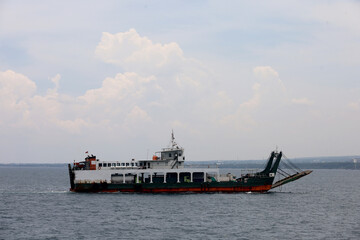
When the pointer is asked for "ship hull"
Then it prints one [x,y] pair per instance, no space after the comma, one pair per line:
[252,185]
[166,176]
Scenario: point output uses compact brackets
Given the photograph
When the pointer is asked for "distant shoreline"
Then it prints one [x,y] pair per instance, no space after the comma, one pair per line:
[303,163]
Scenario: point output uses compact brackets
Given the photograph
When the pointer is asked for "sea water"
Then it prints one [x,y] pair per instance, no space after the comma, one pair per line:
[35,203]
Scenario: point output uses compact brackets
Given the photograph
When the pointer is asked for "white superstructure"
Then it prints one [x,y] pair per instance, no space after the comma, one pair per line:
[165,166]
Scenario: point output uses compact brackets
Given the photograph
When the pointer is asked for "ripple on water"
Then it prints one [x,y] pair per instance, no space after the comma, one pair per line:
[319,206]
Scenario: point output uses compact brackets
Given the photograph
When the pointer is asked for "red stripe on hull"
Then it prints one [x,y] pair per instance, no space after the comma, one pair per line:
[263,188]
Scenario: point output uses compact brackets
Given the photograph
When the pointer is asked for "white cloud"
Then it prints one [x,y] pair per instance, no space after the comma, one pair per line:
[135,53]
[56,81]
[15,86]
[311,48]
[265,72]
[269,92]
[136,117]
[222,100]
[114,104]
[15,92]
[118,88]
[132,104]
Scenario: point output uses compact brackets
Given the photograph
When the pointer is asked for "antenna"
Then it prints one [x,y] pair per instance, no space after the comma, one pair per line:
[172,137]
[172,142]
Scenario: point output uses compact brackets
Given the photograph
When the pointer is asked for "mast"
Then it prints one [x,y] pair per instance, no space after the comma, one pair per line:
[172,138]
[173,144]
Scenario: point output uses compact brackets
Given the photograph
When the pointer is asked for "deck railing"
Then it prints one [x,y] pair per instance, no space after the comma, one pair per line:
[201,166]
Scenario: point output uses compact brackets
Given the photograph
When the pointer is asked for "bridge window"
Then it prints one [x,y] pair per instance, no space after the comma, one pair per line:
[118,164]
[105,164]
[127,164]
[100,164]
[122,164]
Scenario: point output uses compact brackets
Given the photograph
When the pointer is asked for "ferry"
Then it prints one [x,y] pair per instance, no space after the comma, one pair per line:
[166,172]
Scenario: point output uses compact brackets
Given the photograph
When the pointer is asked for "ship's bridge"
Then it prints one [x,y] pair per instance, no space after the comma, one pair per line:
[168,158]
[168,154]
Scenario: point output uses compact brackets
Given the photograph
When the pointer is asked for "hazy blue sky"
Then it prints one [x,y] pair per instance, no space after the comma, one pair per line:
[234,79]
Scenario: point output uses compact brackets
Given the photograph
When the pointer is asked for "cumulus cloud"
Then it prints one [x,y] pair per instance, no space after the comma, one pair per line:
[164,90]
[130,99]
[269,92]
[265,72]
[118,88]
[116,99]
[15,86]
[135,53]
[136,117]
[15,93]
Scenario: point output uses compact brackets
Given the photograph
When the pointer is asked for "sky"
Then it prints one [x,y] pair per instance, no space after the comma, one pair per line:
[234,80]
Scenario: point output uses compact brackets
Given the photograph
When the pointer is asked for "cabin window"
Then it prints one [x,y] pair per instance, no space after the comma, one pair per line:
[169,154]
[105,165]
[127,164]
[140,164]
[136,164]
[100,164]
[132,164]
[118,164]
[122,164]
[148,165]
